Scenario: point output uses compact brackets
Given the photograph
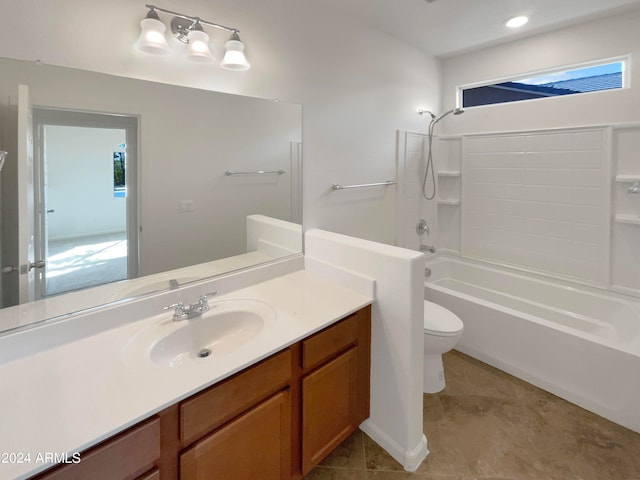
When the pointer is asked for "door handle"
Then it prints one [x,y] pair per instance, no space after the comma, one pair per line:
[51,211]
[26,268]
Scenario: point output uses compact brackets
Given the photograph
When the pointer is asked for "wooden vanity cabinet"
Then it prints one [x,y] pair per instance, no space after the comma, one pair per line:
[152,475]
[335,386]
[274,420]
[249,420]
[255,445]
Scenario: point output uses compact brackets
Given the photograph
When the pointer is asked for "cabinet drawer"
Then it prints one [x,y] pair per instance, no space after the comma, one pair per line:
[329,341]
[255,445]
[124,458]
[210,409]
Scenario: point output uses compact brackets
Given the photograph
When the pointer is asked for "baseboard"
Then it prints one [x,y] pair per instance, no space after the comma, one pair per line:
[409,459]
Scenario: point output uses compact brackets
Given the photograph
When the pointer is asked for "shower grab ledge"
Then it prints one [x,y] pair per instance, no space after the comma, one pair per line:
[627,178]
[335,186]
[450,202]
[449,173]
[628,219]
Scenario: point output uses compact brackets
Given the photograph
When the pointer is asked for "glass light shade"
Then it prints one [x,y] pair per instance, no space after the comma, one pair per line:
[198,48]
[234,58]
[152,39]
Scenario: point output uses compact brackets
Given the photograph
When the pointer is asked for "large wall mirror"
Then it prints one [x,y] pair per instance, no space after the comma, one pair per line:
[114,188]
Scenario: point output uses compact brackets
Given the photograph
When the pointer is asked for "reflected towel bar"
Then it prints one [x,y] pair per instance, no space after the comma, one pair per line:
[343,187]
[229,173]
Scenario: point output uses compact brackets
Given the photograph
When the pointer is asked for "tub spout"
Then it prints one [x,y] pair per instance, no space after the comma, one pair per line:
[428,248]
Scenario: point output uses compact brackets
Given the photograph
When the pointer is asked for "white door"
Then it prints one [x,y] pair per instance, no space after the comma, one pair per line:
[26,209]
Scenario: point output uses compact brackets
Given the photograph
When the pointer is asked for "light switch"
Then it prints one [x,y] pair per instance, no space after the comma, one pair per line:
[185,206]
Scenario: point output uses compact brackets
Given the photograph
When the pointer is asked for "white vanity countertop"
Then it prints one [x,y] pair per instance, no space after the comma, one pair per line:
[73,396]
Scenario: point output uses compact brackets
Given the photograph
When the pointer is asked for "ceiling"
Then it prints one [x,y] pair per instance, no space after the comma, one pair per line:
[449,27]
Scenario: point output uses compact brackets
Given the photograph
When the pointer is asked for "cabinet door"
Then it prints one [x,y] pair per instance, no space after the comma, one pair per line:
[329,407]
[255,445]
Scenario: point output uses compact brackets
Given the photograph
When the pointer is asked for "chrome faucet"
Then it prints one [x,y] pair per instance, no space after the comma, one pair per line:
[185,312]
[428,248]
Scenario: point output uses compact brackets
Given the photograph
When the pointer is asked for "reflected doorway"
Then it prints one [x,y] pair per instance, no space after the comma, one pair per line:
[86,225]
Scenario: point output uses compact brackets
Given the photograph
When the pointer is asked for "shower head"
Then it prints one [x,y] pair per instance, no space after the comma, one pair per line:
[423,112]
[455,111]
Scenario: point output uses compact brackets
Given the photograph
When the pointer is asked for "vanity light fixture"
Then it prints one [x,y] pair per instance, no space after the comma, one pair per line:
[517,22]
[234,58]
[152,38]
[189,30]
[198,44]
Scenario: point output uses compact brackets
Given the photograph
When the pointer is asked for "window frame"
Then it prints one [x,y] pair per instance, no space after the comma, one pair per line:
[624,59]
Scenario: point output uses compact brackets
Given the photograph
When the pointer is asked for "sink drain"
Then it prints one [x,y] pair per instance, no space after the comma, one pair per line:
[204,353]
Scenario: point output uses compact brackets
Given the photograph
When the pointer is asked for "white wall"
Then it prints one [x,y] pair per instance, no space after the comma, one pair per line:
[272,236]
[601,39]
[357,85]
[397,333]
[79,188]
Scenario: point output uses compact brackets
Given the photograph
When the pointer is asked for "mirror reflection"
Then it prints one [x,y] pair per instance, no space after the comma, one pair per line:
[114,187]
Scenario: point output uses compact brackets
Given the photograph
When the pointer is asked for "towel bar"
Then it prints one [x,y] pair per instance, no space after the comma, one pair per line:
[229,173]
[335,186]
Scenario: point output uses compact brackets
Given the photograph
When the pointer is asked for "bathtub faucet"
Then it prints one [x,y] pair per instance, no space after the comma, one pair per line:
[428,248]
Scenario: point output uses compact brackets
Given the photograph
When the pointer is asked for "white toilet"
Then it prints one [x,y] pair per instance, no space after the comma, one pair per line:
[442,330]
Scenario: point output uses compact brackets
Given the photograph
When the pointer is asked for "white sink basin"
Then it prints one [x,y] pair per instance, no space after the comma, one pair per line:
[228,326]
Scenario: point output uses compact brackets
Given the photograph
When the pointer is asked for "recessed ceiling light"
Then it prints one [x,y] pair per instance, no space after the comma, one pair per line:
[516,22]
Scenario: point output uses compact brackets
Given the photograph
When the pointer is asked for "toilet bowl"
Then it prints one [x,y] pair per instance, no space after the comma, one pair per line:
[442,330]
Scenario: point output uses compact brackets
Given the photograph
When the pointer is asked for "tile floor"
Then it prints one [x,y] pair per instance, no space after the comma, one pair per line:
[487,425]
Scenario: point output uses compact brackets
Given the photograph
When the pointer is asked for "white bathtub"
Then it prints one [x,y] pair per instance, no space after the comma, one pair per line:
[580,343]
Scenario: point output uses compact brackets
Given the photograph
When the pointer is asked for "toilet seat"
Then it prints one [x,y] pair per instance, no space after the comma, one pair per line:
[440,322]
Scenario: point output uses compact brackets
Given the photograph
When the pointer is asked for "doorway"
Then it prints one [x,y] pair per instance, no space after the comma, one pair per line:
[86,199]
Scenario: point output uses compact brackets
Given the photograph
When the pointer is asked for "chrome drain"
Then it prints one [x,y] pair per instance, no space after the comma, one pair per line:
[204,353]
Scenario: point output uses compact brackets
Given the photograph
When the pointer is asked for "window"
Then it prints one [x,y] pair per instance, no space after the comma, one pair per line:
[119,186]
[604,76]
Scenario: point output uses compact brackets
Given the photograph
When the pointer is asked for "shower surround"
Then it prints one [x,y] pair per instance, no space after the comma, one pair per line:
[548,206]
